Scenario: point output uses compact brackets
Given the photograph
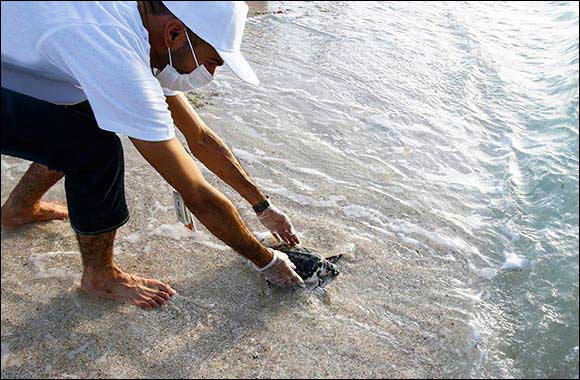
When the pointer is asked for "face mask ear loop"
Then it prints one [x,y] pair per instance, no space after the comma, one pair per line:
[192,51]
[169,52]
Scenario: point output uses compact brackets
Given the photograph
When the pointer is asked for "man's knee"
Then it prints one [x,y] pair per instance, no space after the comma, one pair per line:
[100,165]
[96,190]
[101,156]
[109,150]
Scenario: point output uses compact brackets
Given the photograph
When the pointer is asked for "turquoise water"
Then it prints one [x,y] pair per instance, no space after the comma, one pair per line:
[464,112]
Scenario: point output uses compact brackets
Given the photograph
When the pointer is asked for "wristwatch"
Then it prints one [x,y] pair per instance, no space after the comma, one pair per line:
[261,206]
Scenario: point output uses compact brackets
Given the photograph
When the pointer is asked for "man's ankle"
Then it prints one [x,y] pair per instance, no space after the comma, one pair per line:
[12,209]
[107,270]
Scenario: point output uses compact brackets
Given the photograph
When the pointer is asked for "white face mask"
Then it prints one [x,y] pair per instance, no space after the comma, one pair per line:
[171,79]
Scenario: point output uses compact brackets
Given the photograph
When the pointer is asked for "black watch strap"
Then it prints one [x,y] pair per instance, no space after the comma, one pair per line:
[261,206]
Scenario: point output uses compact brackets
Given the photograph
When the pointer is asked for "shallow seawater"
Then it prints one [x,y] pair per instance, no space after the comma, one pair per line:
[435,145]
[447,128]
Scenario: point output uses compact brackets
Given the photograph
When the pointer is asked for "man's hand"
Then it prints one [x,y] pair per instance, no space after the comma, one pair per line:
[279,225]
[280,271]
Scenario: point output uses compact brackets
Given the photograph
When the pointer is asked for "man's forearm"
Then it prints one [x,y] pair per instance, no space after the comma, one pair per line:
[212,208]
[218,158]
[220,217]
[208,147]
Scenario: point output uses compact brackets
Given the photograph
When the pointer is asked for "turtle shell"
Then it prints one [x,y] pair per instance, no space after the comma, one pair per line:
[307,262]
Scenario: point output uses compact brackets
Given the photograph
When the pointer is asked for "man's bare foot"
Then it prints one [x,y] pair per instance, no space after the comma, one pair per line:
[117,285]
[40,212]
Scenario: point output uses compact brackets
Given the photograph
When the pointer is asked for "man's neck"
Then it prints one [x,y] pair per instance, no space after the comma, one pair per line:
[146,20]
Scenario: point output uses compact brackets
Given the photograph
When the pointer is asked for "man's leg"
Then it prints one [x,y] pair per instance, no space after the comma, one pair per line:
[23,204]
[68,140]
[95,192]
[102,278]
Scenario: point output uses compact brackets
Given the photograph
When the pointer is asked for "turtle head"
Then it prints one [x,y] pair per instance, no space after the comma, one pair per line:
[327,272]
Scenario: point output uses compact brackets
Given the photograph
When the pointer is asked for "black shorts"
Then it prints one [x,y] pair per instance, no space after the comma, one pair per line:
[68,139]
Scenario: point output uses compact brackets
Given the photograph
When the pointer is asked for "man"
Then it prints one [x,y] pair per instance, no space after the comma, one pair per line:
[76,73]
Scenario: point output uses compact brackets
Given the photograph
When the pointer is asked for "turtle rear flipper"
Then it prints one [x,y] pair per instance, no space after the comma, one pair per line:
[334,259]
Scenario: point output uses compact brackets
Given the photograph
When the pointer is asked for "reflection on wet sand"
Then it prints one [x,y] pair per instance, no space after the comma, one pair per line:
[257,6]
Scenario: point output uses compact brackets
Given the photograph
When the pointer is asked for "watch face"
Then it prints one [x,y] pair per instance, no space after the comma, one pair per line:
[262,206]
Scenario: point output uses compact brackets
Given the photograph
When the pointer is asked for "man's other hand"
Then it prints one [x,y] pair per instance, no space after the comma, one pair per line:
[281,271]
[279,225]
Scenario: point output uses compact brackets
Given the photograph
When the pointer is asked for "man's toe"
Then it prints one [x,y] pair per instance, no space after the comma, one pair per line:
[164,295]
[143,304]
[151,301]
[159,299]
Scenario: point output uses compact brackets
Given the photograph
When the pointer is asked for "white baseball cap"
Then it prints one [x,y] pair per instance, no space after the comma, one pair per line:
[220,24]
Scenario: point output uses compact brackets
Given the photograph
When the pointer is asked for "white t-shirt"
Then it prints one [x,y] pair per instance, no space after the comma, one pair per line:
[65,52]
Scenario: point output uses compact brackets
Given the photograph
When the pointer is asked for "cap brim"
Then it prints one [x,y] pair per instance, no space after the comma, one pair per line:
[238,64]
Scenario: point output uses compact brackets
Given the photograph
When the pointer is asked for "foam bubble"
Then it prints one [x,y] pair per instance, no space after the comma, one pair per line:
[38,261]
[410,241]
[133,238]
[251,158]
[572,355]
[514,261]
[485,273]
[404,228]
[320,174]
[210,244]
[360,212]
[469,294]
[79,350]
[8,359]
[175,231]
[302,186]
[5,355]
[305,200]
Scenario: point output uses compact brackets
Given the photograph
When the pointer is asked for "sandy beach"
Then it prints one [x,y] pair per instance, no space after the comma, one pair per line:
[391,133]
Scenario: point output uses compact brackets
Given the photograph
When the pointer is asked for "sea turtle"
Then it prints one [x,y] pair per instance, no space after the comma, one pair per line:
[315,270]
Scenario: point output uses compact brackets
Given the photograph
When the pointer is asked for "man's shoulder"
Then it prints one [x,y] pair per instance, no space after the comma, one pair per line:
[101,23]
[102,41]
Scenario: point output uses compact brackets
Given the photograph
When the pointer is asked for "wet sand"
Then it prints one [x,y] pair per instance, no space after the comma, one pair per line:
[225,321]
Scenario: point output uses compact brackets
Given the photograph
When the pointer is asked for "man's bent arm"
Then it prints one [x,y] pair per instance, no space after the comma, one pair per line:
[211,150]
[210,206]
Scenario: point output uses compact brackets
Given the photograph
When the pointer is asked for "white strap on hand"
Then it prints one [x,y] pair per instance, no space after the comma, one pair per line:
[271,263]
